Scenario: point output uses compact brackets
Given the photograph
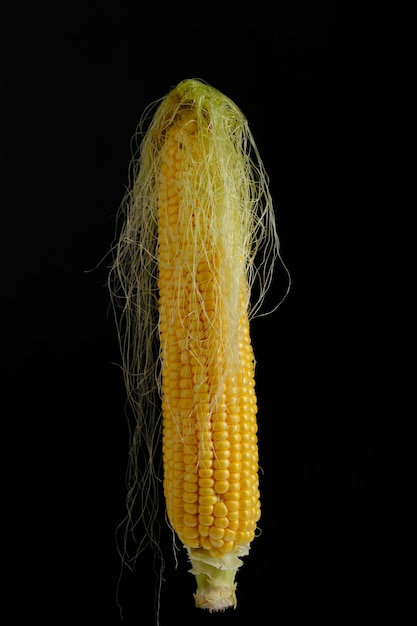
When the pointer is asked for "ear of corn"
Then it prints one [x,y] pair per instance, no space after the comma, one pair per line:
[199,232]
[209,406]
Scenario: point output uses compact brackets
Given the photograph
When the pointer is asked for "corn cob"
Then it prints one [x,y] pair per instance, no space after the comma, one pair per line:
[199,232]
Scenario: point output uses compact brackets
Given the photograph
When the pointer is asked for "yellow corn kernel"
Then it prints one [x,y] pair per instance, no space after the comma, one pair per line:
[191,508]
[221,486]
[205,482]
[216,533]
[190,520]
[204,531]
[221,464]
[220,509]
[205,509]
[205,472]
[190,497]
[206,544]
[221,522]
[221,474]
[190,532]
[209,499]
[229,535]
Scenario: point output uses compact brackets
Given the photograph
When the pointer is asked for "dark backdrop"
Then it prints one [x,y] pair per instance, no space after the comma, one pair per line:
[326,94]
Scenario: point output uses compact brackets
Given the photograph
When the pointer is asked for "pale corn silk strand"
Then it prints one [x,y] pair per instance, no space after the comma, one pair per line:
[230,176]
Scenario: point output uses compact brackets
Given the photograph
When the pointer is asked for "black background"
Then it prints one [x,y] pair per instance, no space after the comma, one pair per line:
[326,93]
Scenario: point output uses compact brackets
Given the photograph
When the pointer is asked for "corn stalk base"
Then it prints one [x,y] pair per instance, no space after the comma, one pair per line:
[215,577]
